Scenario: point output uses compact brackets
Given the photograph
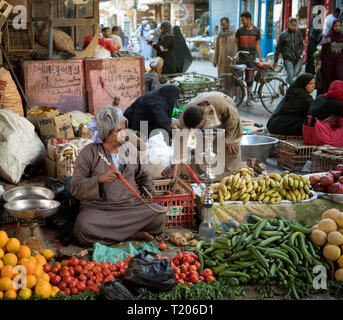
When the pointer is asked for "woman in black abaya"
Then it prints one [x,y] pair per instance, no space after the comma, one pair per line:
[182,53]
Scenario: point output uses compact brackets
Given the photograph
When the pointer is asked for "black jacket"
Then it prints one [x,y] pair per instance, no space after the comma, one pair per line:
[290,45]
[165,50]
[290,114]
[156,107]
[323,108]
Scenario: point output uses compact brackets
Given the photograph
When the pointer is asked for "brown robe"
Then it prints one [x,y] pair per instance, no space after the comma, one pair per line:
[225,46]
[109,212]
[229,119]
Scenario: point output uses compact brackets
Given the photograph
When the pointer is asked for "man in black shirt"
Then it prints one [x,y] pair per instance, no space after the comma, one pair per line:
[291,46]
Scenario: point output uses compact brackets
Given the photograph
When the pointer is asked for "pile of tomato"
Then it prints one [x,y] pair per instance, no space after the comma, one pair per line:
[187,268]
[76,276]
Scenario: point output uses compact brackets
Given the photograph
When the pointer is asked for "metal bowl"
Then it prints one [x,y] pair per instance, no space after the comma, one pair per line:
[22,193]
[32,209]
[257,146]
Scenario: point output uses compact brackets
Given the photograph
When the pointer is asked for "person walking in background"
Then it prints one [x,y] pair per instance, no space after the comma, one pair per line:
[225,46]
[116,36]
[143,34]
[216,32]
[291,45]
[248,39]
[330,19]
[182,53]
[331,56]
[314,36]
[155,36]
[123,37]
[165,47]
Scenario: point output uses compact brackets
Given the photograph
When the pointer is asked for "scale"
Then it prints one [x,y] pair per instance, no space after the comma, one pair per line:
[31,205]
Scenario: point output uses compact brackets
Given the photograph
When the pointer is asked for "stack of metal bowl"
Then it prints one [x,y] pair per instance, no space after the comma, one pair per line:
[30,203]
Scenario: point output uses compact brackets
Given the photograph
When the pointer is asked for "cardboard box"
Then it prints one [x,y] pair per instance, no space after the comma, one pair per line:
[57,127]
[34,117]
[50,168]
[17,3]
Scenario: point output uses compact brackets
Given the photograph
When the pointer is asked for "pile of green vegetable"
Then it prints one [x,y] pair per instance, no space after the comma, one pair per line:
[272,252]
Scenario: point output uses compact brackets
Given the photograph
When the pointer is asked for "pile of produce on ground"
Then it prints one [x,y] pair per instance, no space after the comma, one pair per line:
[330,182]
[274,252]
[328,233]
[270,188]
[182,239]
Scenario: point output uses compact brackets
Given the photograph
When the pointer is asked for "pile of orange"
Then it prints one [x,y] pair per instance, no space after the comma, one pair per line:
[12,255]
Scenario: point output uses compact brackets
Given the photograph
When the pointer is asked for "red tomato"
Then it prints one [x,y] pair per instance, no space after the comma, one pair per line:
[64,273]
[194,273]
[106,272]
[74,262]
[183,276]
[73,283]
[202,278]
[56,280]
[57,265]
[162,246]
[198,265]
[90,274]
[120,264]
[62,286]
[97,269]
[193,268]
[78,269]
[158,256]
[81,286]
[115,274]
[177,276]
[96,289]
[84,271]
[128,259]
[51,275]
[54,270]
[47,268]
[194,278]
[65,263]
[188,259]
[74,291]
[90,283]
[109,278]
[67,279]
[72,272]
[207,273]
[193,255]
[122,271]
[82,278]
[176,262]
[90,264]
[180,281]
[179,256]
[93,278]
[184,268]
[189,283]
[67,291]
[210,278]
[83,263]
[177,271]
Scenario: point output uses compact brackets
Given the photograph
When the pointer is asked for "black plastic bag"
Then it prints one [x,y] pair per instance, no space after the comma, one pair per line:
[116,290]
[145,270]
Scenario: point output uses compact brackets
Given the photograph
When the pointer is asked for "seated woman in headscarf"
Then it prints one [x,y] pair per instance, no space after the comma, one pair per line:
[156,109]
[165,47]
[289,116]
[109,212]
[324,123]
[152,77]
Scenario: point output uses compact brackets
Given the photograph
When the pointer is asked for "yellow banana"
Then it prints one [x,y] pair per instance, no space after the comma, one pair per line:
[296,184]
[294,176]
[260,198]
[273,200]
[255,183]
[258,189]
[307,189]
[250,187]
[243,191]
[285,183]
[299,198]
[253,196]
[263,187]
[215,196]
[307,197]
[221,198]
[228,196]
[269,192]
[293,197]
[223,189]
[283,193]
[235,196]
[229,181]
[224,180]
[247,198]
[260,180]
[266,199]
[301,184]
[275,176]
[285,173]
[252,173]
[291,182]
[244,170]
[235,179]
[288,196]
[275,195]
[278,199]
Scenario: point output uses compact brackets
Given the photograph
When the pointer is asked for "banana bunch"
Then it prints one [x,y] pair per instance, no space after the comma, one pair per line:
[295,187]
[268,189]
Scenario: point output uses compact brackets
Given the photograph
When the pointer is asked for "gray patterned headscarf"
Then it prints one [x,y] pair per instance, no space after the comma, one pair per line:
[167,29]
[107,119]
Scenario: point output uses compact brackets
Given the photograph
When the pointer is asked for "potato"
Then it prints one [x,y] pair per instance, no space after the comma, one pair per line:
[193,243]
[188,235]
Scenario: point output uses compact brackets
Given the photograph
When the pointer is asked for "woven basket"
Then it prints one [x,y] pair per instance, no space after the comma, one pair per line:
[62,41]
[281,137]
[293,154]
[323,162]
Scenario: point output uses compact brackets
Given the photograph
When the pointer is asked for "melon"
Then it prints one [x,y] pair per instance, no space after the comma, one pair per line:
[327,225]
[335,237]
[318,237]
[339,275]
[340,230]
[314,226]
[339,220]
[331,214]
[340,261]
[331,252]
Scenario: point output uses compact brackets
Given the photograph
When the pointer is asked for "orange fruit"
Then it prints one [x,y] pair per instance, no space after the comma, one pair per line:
[30,266]
[31,281]
[1,264]
[22,261]
[2,253]
[45,277]
[24,252]
[13,245]
[25,294]
[1,295]
[40,259]
[6,284]
[8,272]
[39,271]
[43,288]
[48,254]
[10,259]
[10,294]
[54,290]
[3,239]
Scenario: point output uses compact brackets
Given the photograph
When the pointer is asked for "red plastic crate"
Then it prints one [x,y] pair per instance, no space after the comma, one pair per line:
[186,201]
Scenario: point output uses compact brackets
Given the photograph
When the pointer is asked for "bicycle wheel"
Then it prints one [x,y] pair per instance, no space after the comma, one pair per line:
[271,91]
[240,92]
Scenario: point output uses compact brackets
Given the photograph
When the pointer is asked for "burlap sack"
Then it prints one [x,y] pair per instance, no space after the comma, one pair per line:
[9,95]
[62,41]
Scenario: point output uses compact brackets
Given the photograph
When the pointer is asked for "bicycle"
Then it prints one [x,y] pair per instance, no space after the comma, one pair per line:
[269,89]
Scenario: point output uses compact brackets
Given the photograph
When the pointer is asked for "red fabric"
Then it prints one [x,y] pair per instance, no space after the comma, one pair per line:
[335,90]
[323,133]
[107,44]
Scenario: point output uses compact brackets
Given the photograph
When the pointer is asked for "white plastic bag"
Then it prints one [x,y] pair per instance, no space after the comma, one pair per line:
[160,155]
[19,145]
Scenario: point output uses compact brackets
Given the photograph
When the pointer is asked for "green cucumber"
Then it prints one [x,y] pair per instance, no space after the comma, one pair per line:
[300,228]
[210,263]
[292,252]
[219,268]
[256,218]
[259,228]
[272,270]
[270,228]
[248,239]
[268,241]
[271,233]
[281,225]
[259,256]
[240,254]
[303,248]
[293,237]
[281,257]
[199,245]
[201,261]
[227,273]
[233,281]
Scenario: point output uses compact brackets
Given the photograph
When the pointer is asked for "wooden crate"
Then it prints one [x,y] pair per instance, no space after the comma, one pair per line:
[323,162]
[293,154]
